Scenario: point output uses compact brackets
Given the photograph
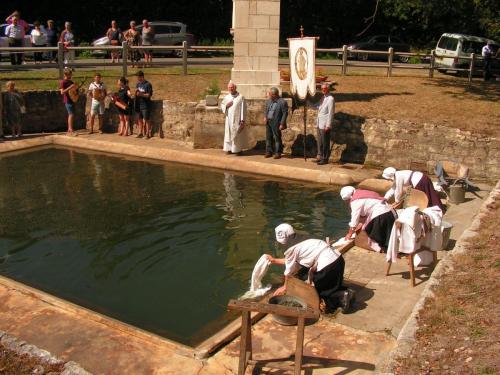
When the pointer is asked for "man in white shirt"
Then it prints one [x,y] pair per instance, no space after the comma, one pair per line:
[235,132]
[487,53]
[324,123]
[15,34]
[325,266]
[97,91]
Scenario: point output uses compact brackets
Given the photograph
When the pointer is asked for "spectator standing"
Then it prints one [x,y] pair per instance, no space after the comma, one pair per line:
[275,115]
[52,39]
[97,92]
[67,38]
[123,98]
[64,87]
[487,53]
[133,39]
[324,124]
[14,108]
[114,35]
[15,34]
[38,39]
[143,94]
[9,20]
[148,38]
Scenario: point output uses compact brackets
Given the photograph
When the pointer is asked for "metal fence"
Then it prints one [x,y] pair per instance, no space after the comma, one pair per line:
[391,58]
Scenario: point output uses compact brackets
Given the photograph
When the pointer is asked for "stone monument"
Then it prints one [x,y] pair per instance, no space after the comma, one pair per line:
[256,29]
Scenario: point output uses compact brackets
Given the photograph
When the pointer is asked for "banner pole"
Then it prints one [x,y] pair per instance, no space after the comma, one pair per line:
[305,127]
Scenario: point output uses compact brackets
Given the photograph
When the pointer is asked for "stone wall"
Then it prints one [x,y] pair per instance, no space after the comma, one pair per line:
[46,113]
[376,142]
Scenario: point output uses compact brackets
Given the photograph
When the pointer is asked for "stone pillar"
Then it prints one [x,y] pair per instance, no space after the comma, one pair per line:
[256,29]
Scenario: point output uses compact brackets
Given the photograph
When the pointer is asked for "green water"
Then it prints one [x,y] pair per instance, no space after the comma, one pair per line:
[157,245]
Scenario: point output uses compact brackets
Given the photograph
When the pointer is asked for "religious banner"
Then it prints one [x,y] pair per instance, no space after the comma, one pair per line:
[302,52]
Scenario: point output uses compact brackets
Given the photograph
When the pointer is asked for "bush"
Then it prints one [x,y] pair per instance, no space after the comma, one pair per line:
[214,88]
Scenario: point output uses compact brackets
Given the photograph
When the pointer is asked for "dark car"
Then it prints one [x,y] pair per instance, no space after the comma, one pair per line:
[378,43]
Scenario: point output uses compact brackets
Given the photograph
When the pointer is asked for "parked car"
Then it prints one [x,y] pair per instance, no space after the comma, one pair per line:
[452,48]
[5,43]
[166,34]
[378,43]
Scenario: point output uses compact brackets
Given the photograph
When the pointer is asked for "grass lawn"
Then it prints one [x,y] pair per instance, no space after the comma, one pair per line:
[444,100]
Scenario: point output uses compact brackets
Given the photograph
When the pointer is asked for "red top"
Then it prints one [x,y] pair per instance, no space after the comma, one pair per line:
[365,194]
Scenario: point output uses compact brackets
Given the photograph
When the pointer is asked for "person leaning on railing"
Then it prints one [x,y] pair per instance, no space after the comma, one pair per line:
[15,34]
[52,39]
[67,38]
[38,39]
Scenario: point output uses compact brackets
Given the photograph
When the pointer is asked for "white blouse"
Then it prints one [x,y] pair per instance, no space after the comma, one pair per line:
[309,253]
[402,179]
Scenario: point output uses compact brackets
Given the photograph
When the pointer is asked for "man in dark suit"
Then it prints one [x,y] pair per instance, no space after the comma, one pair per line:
[275,116]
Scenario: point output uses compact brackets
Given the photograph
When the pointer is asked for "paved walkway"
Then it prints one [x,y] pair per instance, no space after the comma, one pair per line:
[351,343]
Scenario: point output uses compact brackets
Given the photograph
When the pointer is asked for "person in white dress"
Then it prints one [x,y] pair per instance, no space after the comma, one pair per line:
[235,133]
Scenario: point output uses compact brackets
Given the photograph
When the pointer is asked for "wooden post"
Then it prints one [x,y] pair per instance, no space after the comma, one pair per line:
[344,60]
[390,60]
[431,64]
[1,109]
[471,67]
[246,337]
[124,59]
[60,59]
[305,128]
[184,59]
[299,346]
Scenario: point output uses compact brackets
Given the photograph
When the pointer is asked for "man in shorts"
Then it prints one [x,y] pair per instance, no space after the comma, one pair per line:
[97,92]
[143,94]
[66,85]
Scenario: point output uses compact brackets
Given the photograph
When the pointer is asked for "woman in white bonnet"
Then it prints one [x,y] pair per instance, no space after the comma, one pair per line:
[325,265]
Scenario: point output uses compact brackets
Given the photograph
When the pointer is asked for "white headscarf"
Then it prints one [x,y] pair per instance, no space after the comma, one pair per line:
[283,233]
[346,192]
[389,173]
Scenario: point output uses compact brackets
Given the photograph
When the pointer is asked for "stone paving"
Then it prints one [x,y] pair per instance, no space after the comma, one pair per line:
[351,343]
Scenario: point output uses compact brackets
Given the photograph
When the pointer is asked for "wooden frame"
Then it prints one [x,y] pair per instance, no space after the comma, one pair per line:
[246,329]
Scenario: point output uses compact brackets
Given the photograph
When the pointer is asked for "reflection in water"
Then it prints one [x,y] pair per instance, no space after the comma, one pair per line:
[160,246]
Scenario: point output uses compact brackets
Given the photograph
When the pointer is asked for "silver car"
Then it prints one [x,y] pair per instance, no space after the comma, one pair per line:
[166,34]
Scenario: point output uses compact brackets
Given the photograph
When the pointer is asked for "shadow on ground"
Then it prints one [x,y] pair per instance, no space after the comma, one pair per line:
[476,90]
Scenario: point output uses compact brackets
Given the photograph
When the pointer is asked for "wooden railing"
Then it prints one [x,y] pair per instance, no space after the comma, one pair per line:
[344,64]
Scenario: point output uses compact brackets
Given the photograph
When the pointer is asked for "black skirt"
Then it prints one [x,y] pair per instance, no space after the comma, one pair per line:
[379,229]
[330,280]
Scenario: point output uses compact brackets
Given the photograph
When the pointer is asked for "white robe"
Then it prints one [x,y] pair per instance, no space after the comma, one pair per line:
[235,139]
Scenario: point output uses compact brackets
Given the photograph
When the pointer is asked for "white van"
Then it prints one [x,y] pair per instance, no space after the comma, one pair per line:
[451,48]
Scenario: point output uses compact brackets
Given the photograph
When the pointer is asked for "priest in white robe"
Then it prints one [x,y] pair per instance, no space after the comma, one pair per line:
[236,133]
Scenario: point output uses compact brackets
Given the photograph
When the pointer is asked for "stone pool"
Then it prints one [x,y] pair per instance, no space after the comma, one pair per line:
[157,245]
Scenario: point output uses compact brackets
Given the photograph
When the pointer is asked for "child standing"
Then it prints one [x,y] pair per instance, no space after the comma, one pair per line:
[97,91]
[14,108]
[66,85]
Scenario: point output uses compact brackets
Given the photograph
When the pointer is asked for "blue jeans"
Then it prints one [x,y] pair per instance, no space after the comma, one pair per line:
[70,107]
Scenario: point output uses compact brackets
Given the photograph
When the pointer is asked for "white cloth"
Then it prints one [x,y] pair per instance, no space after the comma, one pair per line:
[402,179]
[235,138]
[309,253]
[346,192]
[405,234]
[326,111]
[410,235]
[388,173]
[259,271]
[366,210]
[283,233]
